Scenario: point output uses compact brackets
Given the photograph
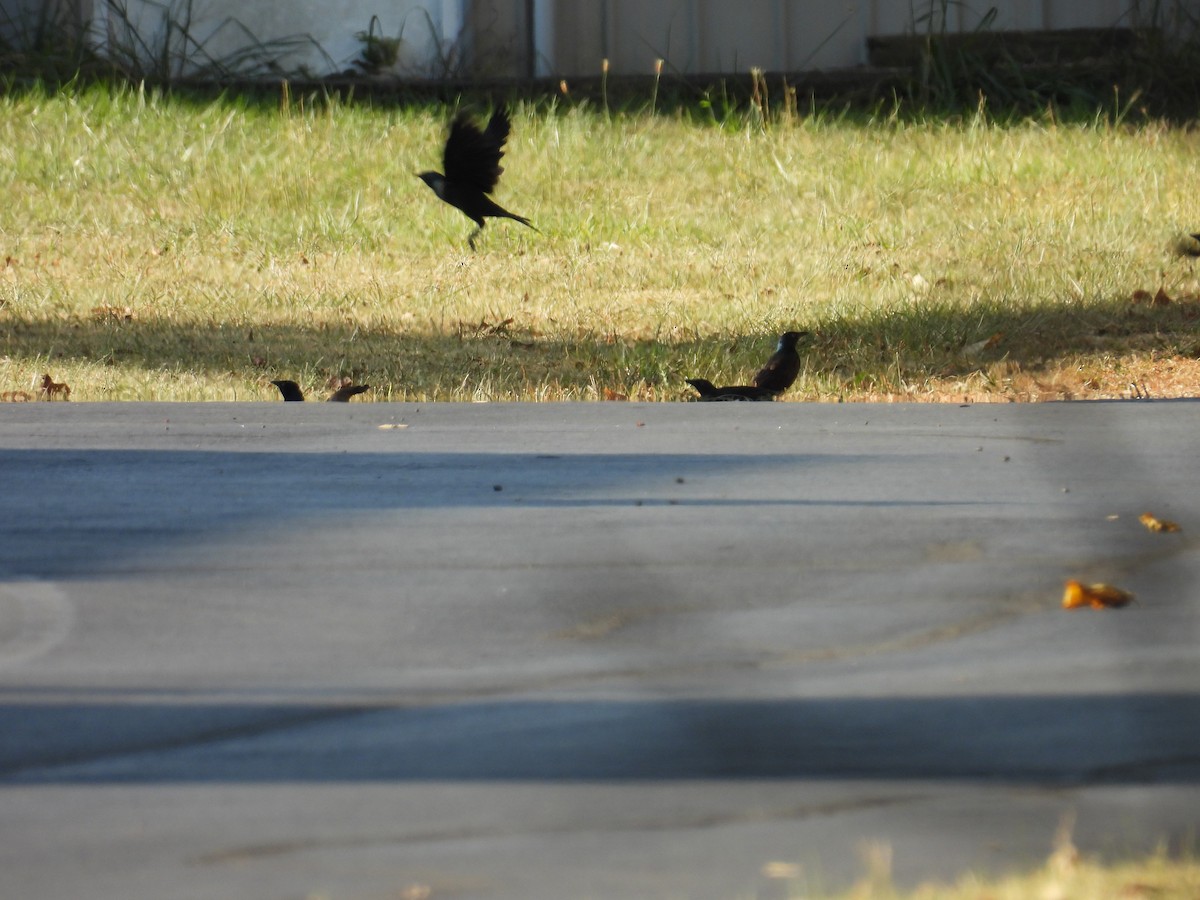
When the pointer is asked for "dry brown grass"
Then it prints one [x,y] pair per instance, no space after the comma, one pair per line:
[154,249]
[1066,875]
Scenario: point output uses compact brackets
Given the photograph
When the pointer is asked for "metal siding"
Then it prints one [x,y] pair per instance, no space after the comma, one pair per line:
[498,44]
[827,35]
[692,36]
[1097,14]
[643,32]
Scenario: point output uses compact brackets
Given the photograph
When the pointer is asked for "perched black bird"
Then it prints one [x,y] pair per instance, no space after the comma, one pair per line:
[472,163]
[784,365]
[291,391]
[709,393]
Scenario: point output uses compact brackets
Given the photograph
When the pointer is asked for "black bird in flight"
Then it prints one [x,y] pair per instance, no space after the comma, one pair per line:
[1188,244]
[784,365]
[291,391]
[472,163]
[709,393]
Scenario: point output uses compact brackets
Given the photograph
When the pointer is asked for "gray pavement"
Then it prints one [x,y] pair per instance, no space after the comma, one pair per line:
[270,650]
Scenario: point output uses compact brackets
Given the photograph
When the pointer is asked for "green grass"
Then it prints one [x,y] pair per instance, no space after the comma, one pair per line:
[153,247]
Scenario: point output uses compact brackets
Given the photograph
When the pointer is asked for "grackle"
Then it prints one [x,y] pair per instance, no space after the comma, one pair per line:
[291,391]
[709,393]
[784,365]
[472,163]
[1188,244]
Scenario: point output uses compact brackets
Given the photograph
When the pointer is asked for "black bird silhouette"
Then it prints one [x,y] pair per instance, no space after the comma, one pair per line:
[291,391]
[472,163]
[709,393]
[1188,244]
[784,365]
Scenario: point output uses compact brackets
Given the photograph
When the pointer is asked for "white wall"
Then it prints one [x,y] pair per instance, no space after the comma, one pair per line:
[318,36]
[709,36]
[491,37]
[20,19]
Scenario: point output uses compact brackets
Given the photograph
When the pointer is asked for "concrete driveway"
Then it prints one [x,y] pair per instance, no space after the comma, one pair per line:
[270,650]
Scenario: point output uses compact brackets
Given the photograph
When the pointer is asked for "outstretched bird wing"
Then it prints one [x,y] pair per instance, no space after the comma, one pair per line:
[472,156]
[343,394]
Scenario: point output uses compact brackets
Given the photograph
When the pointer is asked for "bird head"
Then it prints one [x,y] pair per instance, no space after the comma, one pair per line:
[789,339]
[703,385]
[435,180]
[289,389]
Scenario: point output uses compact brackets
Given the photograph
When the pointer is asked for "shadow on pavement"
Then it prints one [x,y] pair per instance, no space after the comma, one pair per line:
[1064,739]
[82,511]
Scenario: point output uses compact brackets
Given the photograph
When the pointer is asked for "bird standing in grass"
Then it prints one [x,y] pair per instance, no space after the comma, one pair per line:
[291,391]
[784,365]
[709,393]
[472,163]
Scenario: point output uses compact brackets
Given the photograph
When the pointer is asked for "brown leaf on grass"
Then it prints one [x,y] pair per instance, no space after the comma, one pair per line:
[486,327]
[1158,298]
[986,344]
[16,397]
[108,313]
[1097,596]
[781,870]
[610,394]
[52,390]
[1153,523]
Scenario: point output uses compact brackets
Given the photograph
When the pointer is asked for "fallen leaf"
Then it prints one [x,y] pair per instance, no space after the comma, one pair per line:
[1134,890]
[1156,524]
[781,870]
[109,313]
[50,390]
[986,344]
[1097,596]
